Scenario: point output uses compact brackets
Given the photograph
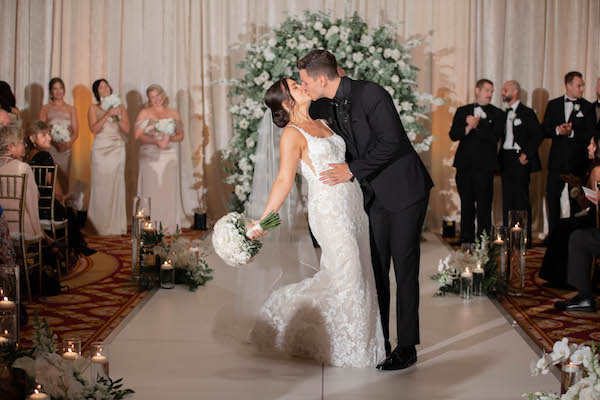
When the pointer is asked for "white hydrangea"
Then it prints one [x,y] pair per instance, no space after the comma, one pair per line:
[243,123]
[323,31]
[291,43]
[318,26]
[406,105]
[390,90]
[239,192]
[245,165]
[357,57]
[376,63]
[366,40]
[269,55]
[272,42]
[372,49]
[258,65]
[250,142]
[387,53]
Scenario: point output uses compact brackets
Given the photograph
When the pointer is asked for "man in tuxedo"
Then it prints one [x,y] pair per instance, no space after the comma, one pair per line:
[518,155]
[395,184]
[583,245]
[570,122]
[478,127]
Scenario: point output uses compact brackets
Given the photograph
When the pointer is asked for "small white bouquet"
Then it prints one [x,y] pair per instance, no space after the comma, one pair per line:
[166,126]
[60,133]
[230,239]
[109,102]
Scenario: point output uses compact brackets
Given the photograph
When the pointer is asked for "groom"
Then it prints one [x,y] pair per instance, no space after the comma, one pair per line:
[394,181]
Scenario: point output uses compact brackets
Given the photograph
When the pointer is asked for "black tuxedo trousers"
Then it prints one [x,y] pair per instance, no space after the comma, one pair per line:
[396,236]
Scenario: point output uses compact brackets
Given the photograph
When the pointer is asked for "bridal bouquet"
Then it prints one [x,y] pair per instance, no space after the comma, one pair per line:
[230,239]
[166,126]
[109,102]
[573,357]
[60,133]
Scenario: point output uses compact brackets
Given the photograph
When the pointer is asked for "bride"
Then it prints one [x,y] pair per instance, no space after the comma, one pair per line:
[332,317]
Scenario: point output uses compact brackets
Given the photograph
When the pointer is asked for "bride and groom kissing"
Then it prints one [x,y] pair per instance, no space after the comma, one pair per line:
[367,196]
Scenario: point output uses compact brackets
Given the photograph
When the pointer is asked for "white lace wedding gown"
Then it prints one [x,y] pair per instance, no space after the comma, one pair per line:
[332,317]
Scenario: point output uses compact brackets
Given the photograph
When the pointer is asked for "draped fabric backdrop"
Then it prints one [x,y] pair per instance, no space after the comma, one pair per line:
[185,45]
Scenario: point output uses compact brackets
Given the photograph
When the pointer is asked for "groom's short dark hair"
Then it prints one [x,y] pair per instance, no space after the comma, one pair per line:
[319,62]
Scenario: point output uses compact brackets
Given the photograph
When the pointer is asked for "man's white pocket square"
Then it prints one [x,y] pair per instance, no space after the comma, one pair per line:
[579,114]
[517,122]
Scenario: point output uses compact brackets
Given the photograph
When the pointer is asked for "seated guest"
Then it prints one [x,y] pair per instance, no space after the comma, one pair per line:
[555,260]
[40,138]
[12,150]
[7,99]
[583,245]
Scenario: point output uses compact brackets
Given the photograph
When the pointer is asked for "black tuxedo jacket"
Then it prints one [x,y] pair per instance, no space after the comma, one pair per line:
[566,154]
[528,135]
[478,149]
[595,105]
[378,152]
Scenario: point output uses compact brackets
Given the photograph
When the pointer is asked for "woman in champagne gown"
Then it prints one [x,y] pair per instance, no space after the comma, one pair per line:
[159,172]
[106,211]
[57,111]
[333,316]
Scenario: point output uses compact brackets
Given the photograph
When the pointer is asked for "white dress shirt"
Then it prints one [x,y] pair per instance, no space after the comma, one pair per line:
[509,140]
[568,111]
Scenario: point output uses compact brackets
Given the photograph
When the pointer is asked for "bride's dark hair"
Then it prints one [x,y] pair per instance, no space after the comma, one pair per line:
[274,98]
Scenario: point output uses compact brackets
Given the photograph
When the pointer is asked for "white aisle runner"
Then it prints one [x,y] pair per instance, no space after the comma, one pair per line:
[169,349]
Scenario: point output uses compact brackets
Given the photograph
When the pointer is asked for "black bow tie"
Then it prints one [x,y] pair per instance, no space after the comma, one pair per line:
[568,100]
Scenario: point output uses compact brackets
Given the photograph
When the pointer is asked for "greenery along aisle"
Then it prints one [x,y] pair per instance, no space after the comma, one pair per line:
[363,53]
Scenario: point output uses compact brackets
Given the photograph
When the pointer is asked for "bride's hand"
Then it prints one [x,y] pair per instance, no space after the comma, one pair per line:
[163,142]
[257,233]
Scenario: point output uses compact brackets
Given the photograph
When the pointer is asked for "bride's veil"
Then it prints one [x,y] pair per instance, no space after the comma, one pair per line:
[287,255]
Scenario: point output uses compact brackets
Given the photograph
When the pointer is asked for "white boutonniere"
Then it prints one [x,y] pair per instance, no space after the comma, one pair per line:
[579,115]
[517,122]
[576,107]
[478,112]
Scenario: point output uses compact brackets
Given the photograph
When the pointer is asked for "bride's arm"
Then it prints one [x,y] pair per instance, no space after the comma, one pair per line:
[289,154]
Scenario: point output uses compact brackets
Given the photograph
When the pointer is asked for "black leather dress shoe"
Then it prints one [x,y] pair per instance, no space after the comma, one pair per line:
[86,251]
[577,303]
[400,358]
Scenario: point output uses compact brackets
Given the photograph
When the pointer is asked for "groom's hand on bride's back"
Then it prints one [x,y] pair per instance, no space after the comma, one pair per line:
[339,173]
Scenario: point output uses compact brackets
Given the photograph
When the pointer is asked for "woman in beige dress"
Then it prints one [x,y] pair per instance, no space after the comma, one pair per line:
[106,212]
[159,172]
[59,112]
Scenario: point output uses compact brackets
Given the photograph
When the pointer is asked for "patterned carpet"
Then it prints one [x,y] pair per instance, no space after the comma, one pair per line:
[535,312]
[100,297]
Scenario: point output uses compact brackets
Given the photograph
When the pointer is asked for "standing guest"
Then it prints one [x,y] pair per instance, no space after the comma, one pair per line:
[158,129]
[106,211]
[518,153]
[478,127]
[40,139]
[569,122]
[7,99]
[57,112]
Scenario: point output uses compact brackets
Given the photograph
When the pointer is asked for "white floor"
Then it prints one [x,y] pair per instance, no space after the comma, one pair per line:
[169,349]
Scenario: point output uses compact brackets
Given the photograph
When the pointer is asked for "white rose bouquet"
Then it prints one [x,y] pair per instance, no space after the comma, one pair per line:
[60,133]
[231,242]
[109,102]
[166,126]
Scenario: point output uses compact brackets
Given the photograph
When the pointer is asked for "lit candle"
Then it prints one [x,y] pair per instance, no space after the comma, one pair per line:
[6,305]
[70,355]
[148,228]
[499,241]
[516,228]
[167,265]
[3,340]
[571,368]
[140,215]
[478,274]
[99,359]
[38,395]
[467,273]
[466,283]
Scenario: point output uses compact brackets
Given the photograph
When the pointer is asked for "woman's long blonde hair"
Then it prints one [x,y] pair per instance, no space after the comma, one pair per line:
[155,87]
[11,133]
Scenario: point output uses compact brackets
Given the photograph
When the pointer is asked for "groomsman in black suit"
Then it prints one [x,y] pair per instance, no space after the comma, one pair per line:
[570,122]
[518,155]
[478,127]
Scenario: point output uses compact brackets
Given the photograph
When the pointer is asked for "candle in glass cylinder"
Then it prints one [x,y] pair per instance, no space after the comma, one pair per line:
[38,394]
[167,275]
[148,228]
[571,374]
[4,340]
[70,355]
[478,276]
[466,283]
[6,304]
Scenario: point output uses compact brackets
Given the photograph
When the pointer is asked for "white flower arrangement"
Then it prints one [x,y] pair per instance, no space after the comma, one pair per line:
[61,378]
[371,54]
[109,102]
[166,126]
[231,242]
[60,132]
[563,352]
